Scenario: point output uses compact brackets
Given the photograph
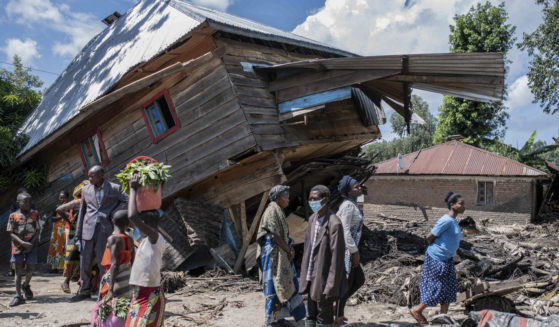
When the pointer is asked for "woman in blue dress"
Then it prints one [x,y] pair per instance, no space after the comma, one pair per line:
[438,279]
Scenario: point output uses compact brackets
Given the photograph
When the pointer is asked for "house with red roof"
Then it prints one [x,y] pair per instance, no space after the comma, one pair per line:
[494,187]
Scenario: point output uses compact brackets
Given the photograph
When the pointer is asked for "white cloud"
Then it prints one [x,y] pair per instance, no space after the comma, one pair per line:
[377,27]
[216,4]
[78,27]
[26,50]
[519,94]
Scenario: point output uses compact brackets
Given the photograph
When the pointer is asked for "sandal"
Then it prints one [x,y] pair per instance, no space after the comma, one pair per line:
[419,317]
[17,301]
[65,287]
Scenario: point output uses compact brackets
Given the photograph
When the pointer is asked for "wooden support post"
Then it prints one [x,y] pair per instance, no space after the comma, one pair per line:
[235,221]
[244,228]
[253,228]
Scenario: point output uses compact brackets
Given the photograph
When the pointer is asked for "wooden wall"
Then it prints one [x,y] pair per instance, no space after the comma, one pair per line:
[338,122]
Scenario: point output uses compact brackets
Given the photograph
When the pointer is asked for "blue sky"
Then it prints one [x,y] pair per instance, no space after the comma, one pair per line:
[47,34]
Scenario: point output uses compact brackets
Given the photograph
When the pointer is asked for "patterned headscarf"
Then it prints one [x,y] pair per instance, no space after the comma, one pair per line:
[278,191]
[345,184]
[78,189]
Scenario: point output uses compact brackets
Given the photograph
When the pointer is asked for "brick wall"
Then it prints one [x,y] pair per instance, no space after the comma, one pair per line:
[418,196]
[431,214]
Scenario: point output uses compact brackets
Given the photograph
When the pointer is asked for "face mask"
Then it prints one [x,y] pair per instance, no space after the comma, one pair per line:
[315,205]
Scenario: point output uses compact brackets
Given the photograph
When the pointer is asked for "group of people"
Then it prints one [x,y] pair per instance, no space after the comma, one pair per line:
[330,268]
[97,235]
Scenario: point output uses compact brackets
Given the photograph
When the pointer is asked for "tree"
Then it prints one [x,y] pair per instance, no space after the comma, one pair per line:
[18,97]
[482,29]
[543,46]
[420,137]
[533,153]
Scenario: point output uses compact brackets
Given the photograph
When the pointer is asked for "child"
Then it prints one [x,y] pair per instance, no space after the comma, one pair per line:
[23,226]
[117,259]
[148,302]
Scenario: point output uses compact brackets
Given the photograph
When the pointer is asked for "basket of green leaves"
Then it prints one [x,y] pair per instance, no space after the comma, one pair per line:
[153,175]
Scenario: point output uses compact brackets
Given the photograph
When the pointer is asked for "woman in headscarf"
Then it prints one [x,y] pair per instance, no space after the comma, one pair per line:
[275,259]
[438,279]
[55,256]
[351,216]
[72,256]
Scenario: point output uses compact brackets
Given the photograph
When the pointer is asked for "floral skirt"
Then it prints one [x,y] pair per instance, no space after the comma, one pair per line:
[438,282]
[72,256]
[147,308]
[55,255]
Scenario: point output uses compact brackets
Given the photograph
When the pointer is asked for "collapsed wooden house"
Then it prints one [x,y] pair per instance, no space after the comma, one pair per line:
[232,105]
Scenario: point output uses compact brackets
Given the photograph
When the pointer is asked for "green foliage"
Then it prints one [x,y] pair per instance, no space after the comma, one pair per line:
[421,135]
[120,310]
[543,47]
[482,29]
[155,174]
[533,153]
[18,98]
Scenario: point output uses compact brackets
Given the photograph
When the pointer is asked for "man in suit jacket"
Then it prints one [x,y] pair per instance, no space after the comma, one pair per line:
[322,268]
[100,199]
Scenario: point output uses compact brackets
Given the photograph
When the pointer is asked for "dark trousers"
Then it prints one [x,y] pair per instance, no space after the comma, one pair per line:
[322,311]
[355,280]
[93,248]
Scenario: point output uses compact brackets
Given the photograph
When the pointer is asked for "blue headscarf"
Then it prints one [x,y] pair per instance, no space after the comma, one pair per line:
[345,184]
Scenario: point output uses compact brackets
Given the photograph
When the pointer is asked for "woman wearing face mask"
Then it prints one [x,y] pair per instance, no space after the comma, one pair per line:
[351,217]
[322,275]
[275,259]
[438,278]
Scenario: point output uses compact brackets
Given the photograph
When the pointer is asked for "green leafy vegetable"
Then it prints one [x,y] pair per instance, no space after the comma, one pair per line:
[151,174]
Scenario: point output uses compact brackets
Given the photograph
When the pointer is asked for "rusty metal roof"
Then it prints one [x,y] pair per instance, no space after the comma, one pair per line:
[456,158]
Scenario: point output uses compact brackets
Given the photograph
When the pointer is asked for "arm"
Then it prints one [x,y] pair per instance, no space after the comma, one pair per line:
[114,246]
[281,243]
[151,232]
[439,228]
[336,270]
[430,238]
[79,225]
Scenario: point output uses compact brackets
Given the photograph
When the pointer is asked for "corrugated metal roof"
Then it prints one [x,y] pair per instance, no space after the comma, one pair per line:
[456,158]
[145,31]
[474,76]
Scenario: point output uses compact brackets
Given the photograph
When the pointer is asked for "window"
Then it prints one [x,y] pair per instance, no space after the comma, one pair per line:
[160,116]
[92,150]
[485,193]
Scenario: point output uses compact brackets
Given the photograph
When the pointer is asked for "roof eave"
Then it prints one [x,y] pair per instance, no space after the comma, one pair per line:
[276,38]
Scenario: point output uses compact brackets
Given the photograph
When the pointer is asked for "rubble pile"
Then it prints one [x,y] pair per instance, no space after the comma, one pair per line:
[498,267]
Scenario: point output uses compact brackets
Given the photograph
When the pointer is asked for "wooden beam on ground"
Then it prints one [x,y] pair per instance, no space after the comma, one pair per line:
[253,227]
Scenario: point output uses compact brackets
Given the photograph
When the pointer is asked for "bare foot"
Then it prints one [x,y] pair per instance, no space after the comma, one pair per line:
[419,317]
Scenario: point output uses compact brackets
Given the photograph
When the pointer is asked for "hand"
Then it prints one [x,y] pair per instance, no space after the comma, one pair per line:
[291,254]
[77,238]
[355,259]
[135,182]
[109,294]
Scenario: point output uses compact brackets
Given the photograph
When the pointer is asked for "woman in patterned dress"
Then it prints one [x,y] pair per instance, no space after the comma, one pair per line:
[55,255]
[438,279]
[72,256]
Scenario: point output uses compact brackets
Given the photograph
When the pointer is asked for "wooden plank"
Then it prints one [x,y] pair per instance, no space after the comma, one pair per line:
[491,80]
[305,78]
[253,227]
[244,228]
[314,100]
[359,76]
[235,219]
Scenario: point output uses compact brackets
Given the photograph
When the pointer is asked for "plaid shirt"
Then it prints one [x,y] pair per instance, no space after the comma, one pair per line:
[23,227]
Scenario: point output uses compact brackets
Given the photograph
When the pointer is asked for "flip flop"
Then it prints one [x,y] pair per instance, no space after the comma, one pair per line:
[420,318]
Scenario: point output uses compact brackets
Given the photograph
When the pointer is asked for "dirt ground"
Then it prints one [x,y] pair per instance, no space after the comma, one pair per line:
[51,307]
